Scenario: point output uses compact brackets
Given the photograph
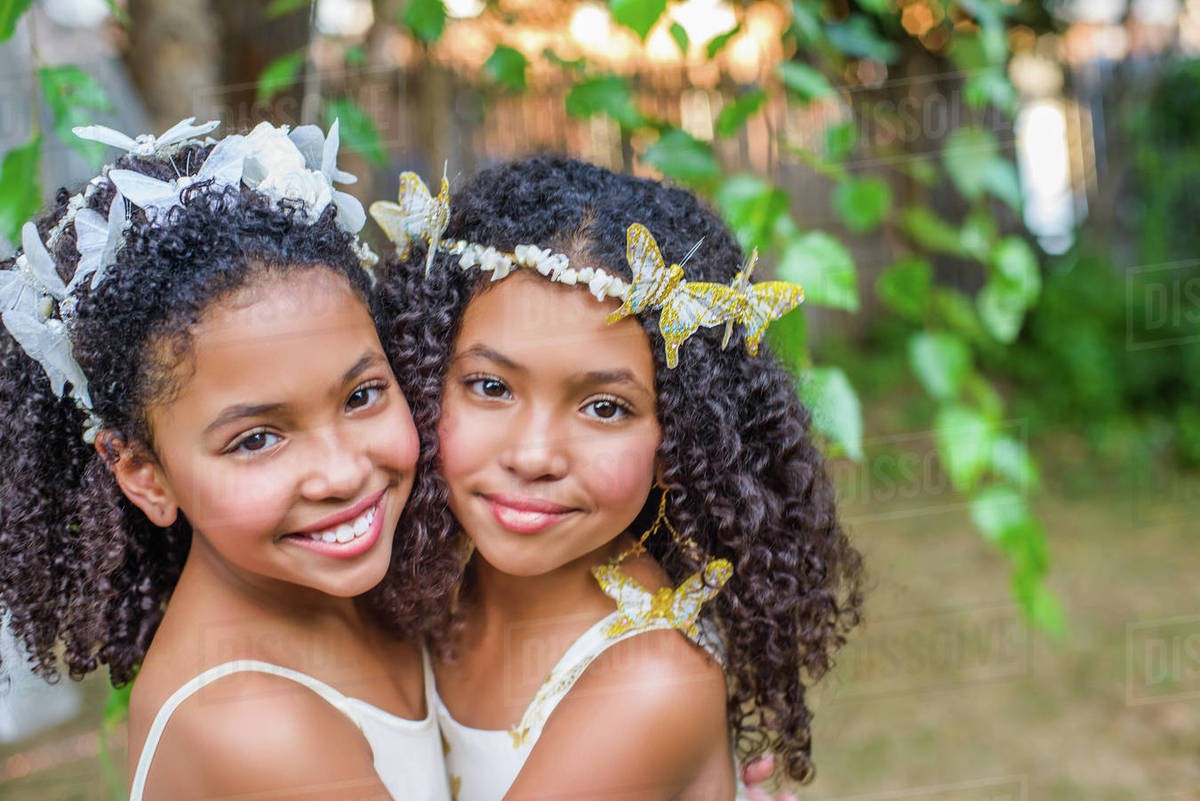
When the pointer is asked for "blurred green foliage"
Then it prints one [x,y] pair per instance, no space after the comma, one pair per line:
[1114,343]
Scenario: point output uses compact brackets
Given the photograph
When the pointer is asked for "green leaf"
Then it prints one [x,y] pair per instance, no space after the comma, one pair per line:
[10,12]
[734,115]
[857,37]
[804,81]
[277,8]
[1044,610]
[840,140]
[977,235]
[998,512]
[718,42]
[681,156]
[877,7]
[788,337]
[1000,179]
[506,66]
[679,34]
[806,21]
[1001,310]
[904,287]
[605,94]
[823,266]
[72,96]
[751,206]
[356,129]
[20,189]
[930,231]
[968,155]
[280,74]
[862,203]
[836,410]
[941,362]
[952,307]
[964,439]
[637,15]
[425,18]
[1011,461]
[1015,260]
[992,86]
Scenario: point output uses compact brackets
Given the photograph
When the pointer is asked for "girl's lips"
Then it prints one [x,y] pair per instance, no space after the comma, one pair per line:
[525,515]
[344,550]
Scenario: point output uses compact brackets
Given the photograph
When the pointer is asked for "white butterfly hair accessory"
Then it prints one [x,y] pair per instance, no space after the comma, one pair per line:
[146,145]
[223,167]
[98,239]
[27,296]
[418,215]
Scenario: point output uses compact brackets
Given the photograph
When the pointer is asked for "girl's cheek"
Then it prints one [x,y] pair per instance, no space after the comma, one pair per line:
[621,474]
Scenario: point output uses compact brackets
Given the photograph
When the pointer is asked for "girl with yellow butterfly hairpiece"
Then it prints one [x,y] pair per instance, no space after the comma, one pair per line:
[657,573]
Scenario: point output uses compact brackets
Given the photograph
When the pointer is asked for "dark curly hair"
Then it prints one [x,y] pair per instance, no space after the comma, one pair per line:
[745,479]
[81,565]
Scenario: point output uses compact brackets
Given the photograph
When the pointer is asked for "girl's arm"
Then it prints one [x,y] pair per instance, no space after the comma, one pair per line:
[260,736]
[646,721]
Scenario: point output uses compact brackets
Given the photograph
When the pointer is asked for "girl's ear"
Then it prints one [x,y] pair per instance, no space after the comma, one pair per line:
[140,478]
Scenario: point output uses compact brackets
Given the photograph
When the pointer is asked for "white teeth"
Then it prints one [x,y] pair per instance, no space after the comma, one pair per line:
[347,531]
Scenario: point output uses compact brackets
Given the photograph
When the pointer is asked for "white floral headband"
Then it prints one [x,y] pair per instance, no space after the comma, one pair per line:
[686,305]
[298,164]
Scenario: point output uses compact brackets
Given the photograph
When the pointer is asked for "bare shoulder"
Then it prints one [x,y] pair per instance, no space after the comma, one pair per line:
[645,721]
[251,733]
[656,667]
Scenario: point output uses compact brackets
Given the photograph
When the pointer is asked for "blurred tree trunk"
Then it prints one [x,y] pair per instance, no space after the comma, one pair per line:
[172,56]
[202,58]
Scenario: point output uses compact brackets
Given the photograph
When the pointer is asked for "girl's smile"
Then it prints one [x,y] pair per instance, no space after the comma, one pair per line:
[525,514]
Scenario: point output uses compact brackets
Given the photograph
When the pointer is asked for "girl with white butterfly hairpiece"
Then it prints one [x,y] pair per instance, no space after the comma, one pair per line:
[658,573]
[204,455]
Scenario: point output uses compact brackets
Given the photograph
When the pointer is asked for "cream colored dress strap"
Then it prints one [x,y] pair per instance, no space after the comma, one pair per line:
[407,753]
[483,763]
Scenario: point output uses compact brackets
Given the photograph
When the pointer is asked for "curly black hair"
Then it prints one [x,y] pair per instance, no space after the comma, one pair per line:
[80,565]
[745,480]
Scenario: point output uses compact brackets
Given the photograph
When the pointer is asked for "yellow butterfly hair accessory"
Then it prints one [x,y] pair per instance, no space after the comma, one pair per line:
[686,305]
[417,215]
[765,303]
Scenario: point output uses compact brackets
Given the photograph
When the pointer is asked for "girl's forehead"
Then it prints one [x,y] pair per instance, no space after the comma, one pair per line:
[532,319]
[278,306]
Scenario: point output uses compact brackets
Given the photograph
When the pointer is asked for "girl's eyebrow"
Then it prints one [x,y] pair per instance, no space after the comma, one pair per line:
[241,410]
[484,352]
[617,376]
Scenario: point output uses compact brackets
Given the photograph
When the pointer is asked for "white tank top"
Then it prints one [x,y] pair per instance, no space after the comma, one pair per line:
[407,753]
[483,763]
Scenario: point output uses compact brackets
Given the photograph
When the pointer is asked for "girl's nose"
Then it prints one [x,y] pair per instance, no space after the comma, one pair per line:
[534,452]
[340,468]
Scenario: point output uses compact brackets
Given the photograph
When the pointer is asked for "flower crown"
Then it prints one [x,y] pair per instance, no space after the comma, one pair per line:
[686,305]
[300,165]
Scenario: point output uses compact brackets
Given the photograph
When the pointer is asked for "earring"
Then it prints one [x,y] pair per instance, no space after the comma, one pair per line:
[678,607]
[685,544]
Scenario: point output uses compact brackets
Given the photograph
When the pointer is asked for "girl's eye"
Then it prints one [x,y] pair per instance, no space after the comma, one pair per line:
[606,409]
[488,387]
[257,441]
[364,396]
